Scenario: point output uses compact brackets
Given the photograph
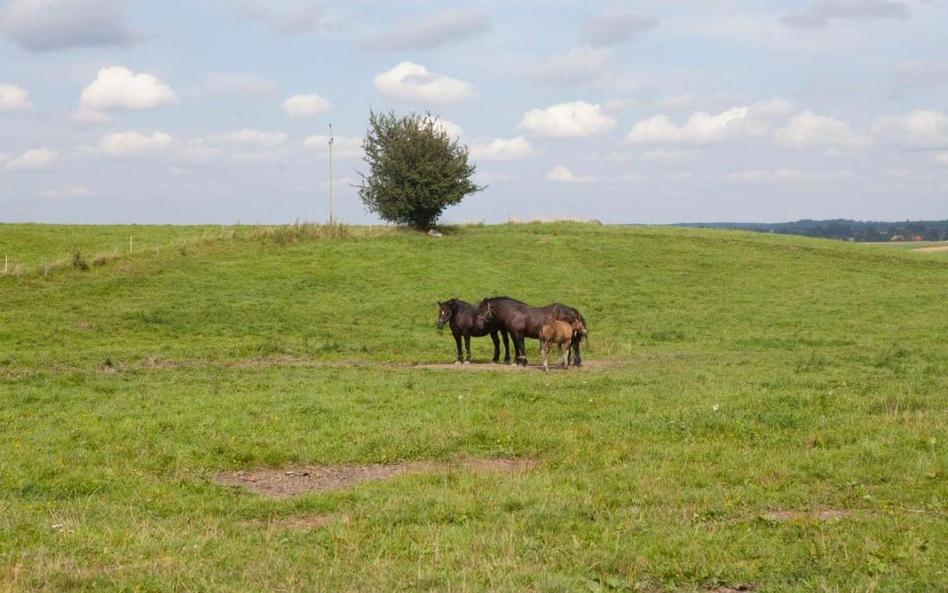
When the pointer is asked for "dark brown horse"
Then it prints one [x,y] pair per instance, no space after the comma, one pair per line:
[462,317]
[523,321]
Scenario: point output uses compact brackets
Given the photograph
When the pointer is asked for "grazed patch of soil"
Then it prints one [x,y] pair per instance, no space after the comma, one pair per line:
[305,523]
[939,249]
[290,361]
[786,515]
[588,365]
[284,483]
[734,588]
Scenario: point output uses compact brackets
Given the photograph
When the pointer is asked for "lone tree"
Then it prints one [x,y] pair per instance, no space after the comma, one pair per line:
[415,169]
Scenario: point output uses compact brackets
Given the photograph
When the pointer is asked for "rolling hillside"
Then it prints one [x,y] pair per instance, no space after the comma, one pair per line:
[756,411]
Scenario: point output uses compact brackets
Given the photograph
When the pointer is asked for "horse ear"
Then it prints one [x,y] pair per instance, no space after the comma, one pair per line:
[439,303]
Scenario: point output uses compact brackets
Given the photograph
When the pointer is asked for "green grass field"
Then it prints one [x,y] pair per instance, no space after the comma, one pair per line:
[757,411]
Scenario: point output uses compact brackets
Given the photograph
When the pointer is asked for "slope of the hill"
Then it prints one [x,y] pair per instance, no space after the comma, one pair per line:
[757,411]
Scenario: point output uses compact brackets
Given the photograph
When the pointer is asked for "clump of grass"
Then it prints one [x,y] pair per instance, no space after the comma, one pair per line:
[104,258]
[79,262]
[299,232]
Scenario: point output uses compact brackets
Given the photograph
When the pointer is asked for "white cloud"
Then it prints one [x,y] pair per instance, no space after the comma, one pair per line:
[701,128]
[14,98]
[922,75]
[409,81]
[663,155]
[306,105]
[789,174]
[941,159]
[45,25]
[300,17]
[133,145]
[581,64]
[450,128]
[807,129]
[36,159]
[120,88]
[249,138]
[742,176]
[84,115]
[567,120]
[342,147]
[74,191]
[197,154]
[237,85]
[616,25]
[922,128]
[429,32]
[820,12]
[304,17]
[501,149]
[561,174]
[759,175]
[772,108]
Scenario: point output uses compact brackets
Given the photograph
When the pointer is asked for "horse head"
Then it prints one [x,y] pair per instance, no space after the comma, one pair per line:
[445,310]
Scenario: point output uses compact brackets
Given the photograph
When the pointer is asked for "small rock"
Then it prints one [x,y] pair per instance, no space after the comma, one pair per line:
[434,233]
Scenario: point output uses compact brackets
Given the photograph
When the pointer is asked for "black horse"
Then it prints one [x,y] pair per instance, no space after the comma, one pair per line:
[524,321]
[462,317]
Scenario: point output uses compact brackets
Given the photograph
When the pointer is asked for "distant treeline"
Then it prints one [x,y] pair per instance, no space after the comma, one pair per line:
[846,230]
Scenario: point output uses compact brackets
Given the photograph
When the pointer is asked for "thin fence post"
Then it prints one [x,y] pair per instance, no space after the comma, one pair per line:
[130,243]
[45,268]
[6,263]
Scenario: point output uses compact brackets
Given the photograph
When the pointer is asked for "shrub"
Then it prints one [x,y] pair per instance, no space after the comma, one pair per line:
[79,262]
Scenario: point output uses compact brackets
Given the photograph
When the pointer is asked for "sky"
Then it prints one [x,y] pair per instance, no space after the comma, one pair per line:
[218,111]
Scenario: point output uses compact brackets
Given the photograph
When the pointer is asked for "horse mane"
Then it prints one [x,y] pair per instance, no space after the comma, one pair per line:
[504,298]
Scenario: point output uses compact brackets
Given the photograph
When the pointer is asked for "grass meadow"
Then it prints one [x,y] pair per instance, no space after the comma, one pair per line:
[757,412]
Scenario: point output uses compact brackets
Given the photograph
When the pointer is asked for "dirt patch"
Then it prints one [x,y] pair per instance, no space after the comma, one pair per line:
[939,249]
[284,483]
[734,588]
[306,523]
[155,362]
[83,325]
[588,365]
[787,515]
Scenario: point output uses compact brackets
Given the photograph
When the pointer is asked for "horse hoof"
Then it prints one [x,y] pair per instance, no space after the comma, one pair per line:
[457,362]
[467,362]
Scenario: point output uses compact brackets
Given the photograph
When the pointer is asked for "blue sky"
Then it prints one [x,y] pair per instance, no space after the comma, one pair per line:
[215,111]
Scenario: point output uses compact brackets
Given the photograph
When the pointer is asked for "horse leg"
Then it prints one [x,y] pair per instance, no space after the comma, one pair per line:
[545,353]
[521,350]
[467,342]
[503,333]
[575,345]
[565,363]
[457,340]
[496,340]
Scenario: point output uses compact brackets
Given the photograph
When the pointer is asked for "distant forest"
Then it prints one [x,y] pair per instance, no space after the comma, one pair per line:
[845,230]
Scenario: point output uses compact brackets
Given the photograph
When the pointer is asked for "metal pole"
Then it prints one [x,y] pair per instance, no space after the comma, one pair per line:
[330,173]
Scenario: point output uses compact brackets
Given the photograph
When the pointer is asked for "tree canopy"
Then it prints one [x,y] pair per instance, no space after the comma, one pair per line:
[416,169]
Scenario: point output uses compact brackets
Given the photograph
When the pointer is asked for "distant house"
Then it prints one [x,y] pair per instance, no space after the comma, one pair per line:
[897,238]
[918,238]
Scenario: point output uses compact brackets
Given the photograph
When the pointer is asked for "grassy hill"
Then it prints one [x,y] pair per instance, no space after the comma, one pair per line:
[757,410]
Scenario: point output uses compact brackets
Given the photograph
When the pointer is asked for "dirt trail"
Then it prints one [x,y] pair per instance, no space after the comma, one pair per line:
[588,365]
[938,249]
[783,516]
[284,483]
